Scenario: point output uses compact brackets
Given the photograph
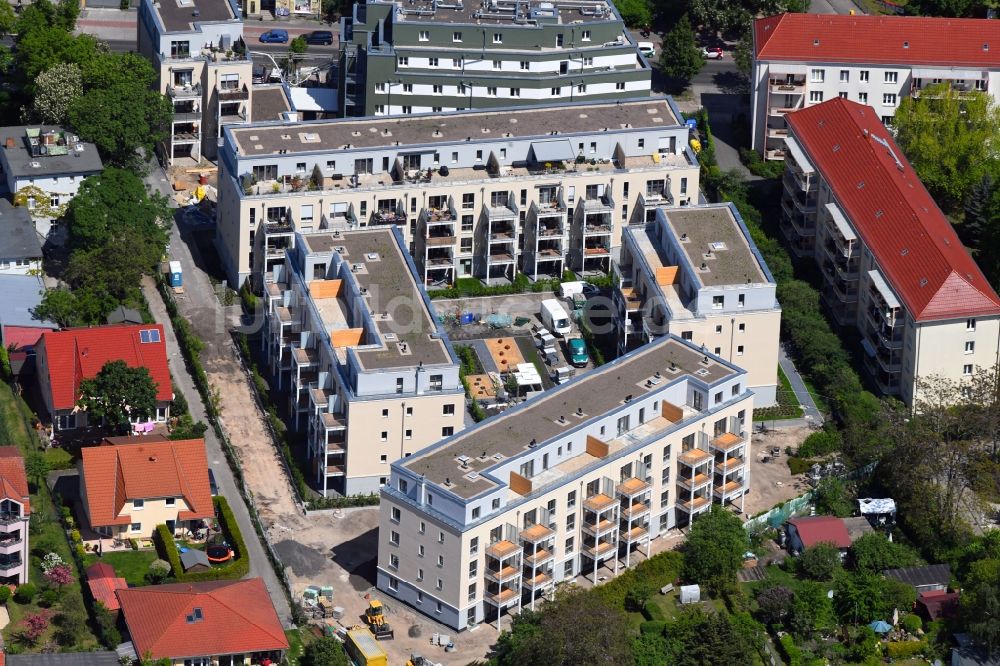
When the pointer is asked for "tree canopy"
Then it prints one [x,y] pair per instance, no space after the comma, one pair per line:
[681,58]
[874,553]
[324,651]
[819,562]
[714,549]
[118,394]
[695,638]
[113,205]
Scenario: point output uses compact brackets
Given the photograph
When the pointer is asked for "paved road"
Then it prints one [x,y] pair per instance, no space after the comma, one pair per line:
[810,412]
[259,564]
[833,7]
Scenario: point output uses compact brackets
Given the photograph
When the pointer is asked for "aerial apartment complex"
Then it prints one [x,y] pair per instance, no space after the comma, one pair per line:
[197,50]
[478,194]
[575,482]
[426,56]
[352,338]
[804,59]
[893,266]
[696,273]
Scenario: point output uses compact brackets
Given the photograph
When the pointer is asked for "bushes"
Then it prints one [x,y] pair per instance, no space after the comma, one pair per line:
[235,569]
[912,623]
[652,574]
[790,652]
[759,166]
[25,593]
[342,502]
[469,287]
[904,649]
[820,443]
[657,628]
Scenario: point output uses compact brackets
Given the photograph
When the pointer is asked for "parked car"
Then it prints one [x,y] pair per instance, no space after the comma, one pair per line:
[212,486]
[274,37]
[714,53]
[324,37]
[647,49]
[578,355]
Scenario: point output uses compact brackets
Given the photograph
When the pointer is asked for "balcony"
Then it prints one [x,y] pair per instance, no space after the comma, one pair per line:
[11,563]
[597,226]
[234,94]
[631,487]
[501,233]
[730,464]
[331,422]
[501,597]
[787,87]
[502,549]
[537,582]
[598,503]
[695,482]
[184,91]
[335,470]
[536,533]
[630,299]
[637,533]
[695,505]
[694,457]
[635,511]
[11,542]
[724,491]
[440,237]
[777,133]
[598,527]
[503,574]
[193,115]
[9,518]
[388,216]
[549,230]
[537,559]
[596,250]
[599,551]
[726,442]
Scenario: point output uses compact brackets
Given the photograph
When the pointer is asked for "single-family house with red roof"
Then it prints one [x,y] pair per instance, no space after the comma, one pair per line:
[805,532]
[15,510]
[66,358]
[129,489]
[223,623]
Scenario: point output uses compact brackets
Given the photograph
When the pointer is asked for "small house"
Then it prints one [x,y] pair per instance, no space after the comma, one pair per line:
[933,577]
[103,582]
[804,532]
[194,560]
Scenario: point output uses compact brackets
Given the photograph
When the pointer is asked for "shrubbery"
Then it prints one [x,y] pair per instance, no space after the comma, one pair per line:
[820,443]
[237,568]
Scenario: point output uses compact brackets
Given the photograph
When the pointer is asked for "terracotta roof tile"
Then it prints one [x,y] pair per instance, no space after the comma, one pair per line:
[103,582]
[236,616]
[13,481]
[114,475]
[822,529]
[79,353]
[907,40]
[915,246]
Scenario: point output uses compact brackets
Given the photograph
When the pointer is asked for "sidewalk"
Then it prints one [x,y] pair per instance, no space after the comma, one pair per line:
[259,564]
[811,413]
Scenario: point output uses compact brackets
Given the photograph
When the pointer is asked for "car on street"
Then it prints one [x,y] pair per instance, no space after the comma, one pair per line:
[578,355]
[212,486]
[274,37]
[323,37]
[647,49]
[713,53]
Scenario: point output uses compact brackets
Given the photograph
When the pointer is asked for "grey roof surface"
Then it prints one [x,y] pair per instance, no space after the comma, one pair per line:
[122,314]
[21,293]
[705,225]
[18,238]
[268,103]
[103,658]
[178,15]
[933,574]
[194,557]
[19,158]
[390,283]
[426,11]
[540,121]
[597,393]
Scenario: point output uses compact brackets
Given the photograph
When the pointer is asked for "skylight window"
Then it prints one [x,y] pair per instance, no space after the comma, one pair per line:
[149,335]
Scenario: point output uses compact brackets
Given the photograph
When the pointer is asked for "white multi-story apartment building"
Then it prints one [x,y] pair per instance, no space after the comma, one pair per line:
[42,167]
[352,337]
[575,482]
[198,53]
[480,194]
[805,59]
[893,266]
[695,272]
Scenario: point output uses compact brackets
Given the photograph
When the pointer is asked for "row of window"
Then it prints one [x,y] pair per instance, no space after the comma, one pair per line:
[456,37]
[888,99]
[459,63]
[819,76]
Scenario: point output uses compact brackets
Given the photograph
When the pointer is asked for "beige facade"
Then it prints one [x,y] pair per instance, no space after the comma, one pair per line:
[353,339]
[490,520]
[144,516]
[482,206]
[695,272]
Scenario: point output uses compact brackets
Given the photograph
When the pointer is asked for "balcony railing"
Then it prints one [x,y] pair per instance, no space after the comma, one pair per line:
[9,518]
[234,94]
[7,565]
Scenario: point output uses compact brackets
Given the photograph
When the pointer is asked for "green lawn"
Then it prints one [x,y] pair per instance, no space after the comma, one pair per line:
[297,640]
[132,565]
[820,400]
[788,404]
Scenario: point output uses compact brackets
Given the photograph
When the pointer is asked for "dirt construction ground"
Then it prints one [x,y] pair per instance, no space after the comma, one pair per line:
[771,482]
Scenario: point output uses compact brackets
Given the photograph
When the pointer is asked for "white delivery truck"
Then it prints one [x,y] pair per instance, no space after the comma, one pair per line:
[554,317]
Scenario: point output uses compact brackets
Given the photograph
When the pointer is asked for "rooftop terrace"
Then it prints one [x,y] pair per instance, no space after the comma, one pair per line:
[597,393]
[505,12]
[714,238]
[446,128]
[404,323]
[182,15]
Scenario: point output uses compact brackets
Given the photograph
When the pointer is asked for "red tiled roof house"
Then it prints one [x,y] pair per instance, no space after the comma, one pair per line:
[805,59]
[15,510]
[893,266]
[802,533]
[220,622]
[129,489]
[66,358]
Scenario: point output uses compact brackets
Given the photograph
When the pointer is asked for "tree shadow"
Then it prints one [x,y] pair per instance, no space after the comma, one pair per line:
[731,83]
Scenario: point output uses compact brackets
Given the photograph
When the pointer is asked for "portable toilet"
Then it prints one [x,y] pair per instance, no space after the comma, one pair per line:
[175,274]
[690,594]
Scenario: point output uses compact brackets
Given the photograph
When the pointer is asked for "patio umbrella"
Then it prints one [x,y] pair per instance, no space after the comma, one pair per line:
[880,627]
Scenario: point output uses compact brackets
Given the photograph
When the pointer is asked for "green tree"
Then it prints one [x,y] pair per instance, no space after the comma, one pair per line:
[714,549]
[298,46]
[43,13]
[681,58]
[635,13]
[122,120]
[819,562]
[7,19]
[720,16]
[774,603]
[43,48]
[36,468]
[59,306]
[949,137]
[695,638]
[811,610]
[874,553]
[860,598]
[576,628]
[832,497]
[981,610]
[113,205]
[324,651]
[119,393]
[55,91]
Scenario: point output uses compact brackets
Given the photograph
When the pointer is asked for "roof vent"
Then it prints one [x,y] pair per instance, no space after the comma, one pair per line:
[152,458]
[906,45]
[579,411]
[905,251]
[533,443]
[923,282]
[815,42]
[861,184]
[986,46]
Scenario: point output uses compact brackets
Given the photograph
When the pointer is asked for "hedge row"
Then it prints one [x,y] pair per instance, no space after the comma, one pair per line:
[237,568]
[343,502]
[904,649]
[790,652]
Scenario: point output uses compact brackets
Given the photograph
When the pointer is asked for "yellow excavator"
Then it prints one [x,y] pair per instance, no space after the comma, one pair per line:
[375,617]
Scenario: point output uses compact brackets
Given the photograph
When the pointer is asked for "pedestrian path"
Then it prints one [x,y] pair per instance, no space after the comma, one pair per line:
[810,412]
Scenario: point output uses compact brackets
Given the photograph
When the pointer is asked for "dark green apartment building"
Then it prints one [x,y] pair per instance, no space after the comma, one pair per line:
[421,56]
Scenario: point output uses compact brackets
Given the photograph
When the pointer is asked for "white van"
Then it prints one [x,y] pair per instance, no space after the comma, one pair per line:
[647,49]
[554,317]
[577,288]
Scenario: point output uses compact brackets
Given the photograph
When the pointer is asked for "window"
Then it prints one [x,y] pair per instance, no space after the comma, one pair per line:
[403,61]
[497,64]
[569,545]
[138,504]
[588,62]
[666,453]
[394,514]
[399,380]
[54,202]
[420,576]
[818,75]
[385,435]
[440,560]
[742,328]
[970,347]
[456,63]
[863,76]
[491,91]
[515,92]
[456,36]
[424,36]
[403,485]
[571,500]
[149,335]
[970,324]
[815,95]
[407,87]
[525,65]
[581,88]
[620,85]
[967,369]
[863,98]
[664,498]
[432,62]
[739,352]
[394,538]
[171,501]
[438,90]
[741,300]
[180,49]
[440,537]
[393,584]
[393,561]
[718,328]
[447,431]
[498,38]
[475,512]
[845,76]
[889,99]
[891,77]
[383,458]
[448,410]
[842,95]
[718,302]
[684,185]
[136,527]
[556,91]
[409,411]
[385,413]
